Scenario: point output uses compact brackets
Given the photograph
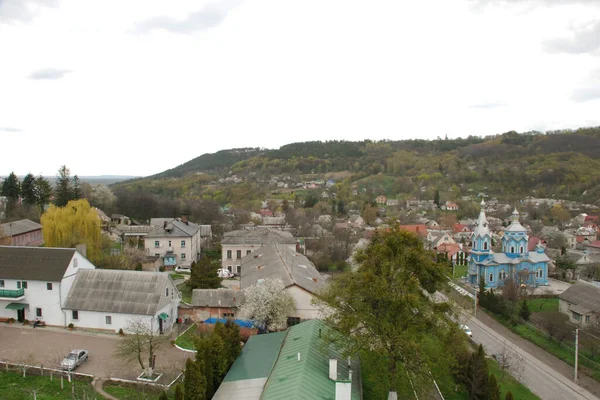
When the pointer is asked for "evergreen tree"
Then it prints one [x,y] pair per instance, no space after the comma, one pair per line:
[482,295]
[29,190]
[524,310]
[509,396]
[436,198]
[178,393]
[231,337]
[163,396]
[43,192]
[204,360]
[204,274]
[63,191]
[76,189]
[478,376]
[11,187]
[494,393]
[194,381]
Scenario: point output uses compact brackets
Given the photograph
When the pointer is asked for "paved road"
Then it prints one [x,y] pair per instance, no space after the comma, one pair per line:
[48,345]
[536,375]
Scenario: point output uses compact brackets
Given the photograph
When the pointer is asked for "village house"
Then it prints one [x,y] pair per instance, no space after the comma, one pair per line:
[453,252]
[381,200]
[449,206]
[392,202]
[22,233]
[570,240]
[216,303]
[110,299]
[300,277]
[240,243]
[177,242]
[419,229]
[35,281]
[437,238]
[593,247]
[581,302]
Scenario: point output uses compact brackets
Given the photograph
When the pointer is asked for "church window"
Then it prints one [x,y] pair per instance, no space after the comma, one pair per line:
[502,275]
[491,277]
[485,245]
[512,249]
[521,249]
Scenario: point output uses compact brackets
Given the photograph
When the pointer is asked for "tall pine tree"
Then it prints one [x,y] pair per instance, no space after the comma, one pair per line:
[194,382]
[478,376]
[204,275]
[494,393]
[43,192]
[11,188]
[63,191]
[28,190]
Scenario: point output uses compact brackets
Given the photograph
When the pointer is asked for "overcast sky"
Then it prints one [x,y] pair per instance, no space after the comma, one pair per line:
[136,87]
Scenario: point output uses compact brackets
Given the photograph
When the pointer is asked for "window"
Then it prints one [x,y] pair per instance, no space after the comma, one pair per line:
[38,312]
[183,243]
[1,282]
[227,315]
[108,320]
[587,318]
[502,275]
[491,277]
[238,254]
[521,250]
[156,244]
[293,321]
[167,291]
[21,284]
[229,254]
[237,269]
[49,286]
[183,256]
[576,317]
[75,315]
[229,268]
[75,263]
[485,245]
[512,249]
[248,252]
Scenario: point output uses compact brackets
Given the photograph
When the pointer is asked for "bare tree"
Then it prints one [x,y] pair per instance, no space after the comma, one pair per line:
[24,362]
[509,362]
[141,341]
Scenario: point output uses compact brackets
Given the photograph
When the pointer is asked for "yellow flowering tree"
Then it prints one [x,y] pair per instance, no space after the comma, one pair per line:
[76,223]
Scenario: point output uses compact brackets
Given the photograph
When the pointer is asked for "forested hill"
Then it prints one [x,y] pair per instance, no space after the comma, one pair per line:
[558,163]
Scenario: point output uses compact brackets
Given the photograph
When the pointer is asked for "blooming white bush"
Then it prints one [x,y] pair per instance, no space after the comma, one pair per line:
[267,305]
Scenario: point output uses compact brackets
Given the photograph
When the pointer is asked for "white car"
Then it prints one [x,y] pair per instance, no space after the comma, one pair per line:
[74,359]
[467,330]
[183,269]
[224,273]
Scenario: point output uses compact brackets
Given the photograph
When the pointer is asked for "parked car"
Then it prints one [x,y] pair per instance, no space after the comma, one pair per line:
[499,357]
[467,330]
[182,268]
[74,359]
[225,273]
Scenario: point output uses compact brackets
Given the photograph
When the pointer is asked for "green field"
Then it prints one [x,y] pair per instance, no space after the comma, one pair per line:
[460,271]
[543,305]
[123,391]
[510,384]
[14,387]
[186,292]
[186,340]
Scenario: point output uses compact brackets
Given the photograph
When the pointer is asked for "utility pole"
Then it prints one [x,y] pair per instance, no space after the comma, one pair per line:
[576,351]
[475,302]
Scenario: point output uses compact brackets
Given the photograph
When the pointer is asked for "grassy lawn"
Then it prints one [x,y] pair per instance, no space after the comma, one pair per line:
[460,271]
[543,305]
[186,292]
[14,387]
[510,384]
[177,276]
[186,340]
[123,391]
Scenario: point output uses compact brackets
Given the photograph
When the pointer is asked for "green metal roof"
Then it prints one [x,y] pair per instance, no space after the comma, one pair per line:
[257,358]
[16,306]
[309,377]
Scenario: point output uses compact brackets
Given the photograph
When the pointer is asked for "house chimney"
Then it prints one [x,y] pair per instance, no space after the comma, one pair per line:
[333,370]
[184,218]
[343,390]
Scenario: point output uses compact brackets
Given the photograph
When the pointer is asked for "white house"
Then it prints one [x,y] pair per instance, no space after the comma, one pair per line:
[238,244]
[109,299]
[581,302]
[176,241]
[35,282]
[299,275]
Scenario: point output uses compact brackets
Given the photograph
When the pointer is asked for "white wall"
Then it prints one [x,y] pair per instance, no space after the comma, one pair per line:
[37,296]
[191,249]
[97,320]
[303,299]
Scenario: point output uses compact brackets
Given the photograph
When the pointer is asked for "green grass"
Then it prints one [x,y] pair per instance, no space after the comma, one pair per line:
[177,276]
[186,340]
[186,292]
[14,387]
[123,391]
[510,384]
[543,305]
[460,271]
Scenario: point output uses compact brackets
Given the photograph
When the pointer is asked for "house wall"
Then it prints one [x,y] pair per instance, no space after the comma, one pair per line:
[77,263]
[303,299]
[36,295]
[97,320]
[564,307]
[33,238]
[191,249]
[201,313]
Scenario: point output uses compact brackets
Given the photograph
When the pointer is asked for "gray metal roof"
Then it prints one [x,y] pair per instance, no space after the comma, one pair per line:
[205,231]
[585,296]
[217,297]
[278,261]
[160,221]
[258,236]
[34,263]
[175,228]
[115,291]
[134,229]
[19,227]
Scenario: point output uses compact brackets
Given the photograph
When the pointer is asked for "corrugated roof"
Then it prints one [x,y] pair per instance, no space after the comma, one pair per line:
[247,376]
[582,295]
[34,263]
[309,377]
[175,228]
[19,227]
[217,297]
[127,292]
[279,261]
[258,236]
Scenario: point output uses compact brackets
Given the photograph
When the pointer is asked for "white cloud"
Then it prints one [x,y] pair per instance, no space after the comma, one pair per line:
[48,73]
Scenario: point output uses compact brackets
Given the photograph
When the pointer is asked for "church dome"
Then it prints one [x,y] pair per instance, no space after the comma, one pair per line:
[515,225]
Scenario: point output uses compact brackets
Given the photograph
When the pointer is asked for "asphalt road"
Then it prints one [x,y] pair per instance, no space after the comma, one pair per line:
[533,373]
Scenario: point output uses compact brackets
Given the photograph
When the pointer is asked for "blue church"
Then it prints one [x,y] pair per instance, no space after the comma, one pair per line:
[515,261]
